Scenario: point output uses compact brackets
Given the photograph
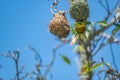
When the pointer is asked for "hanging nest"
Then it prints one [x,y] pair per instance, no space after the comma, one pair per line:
[79,10]
[59,25]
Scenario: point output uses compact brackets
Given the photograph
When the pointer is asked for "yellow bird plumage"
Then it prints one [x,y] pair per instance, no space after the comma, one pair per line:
[80,27]
[80,32]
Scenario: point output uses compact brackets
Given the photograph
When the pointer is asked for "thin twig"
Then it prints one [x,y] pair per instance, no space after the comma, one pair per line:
[117,4]
[108,7]
[100,47]
[103,28]
[113,10]
[103,5]
[95,41]
[16,59]
[53,57]
[37,54]
[15,56]
[113,57]
[110,38]
[17,69]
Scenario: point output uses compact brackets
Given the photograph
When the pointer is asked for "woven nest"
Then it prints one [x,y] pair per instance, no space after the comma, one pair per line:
[59,25]
[79,11]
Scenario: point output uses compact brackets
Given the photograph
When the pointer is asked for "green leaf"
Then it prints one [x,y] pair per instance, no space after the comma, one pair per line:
[117,25]
[102,23]
[88,23]
[96,66]
[65,59]
[116,29]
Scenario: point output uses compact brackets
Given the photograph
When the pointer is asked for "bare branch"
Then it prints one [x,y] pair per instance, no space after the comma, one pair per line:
[100,47]
[53,58]
[110,38]
[103,5]
[37,54]
[108,8]
[16,59]
[113,57]
[103,28]
[113,10]
[65,41]
[15,56]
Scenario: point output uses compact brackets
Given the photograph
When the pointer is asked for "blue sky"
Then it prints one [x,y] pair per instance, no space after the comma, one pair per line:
[25,22]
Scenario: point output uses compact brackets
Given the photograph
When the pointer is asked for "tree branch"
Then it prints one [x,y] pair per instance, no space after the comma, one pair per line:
[103,28]
[113,57]
[54,55]
[110,38]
